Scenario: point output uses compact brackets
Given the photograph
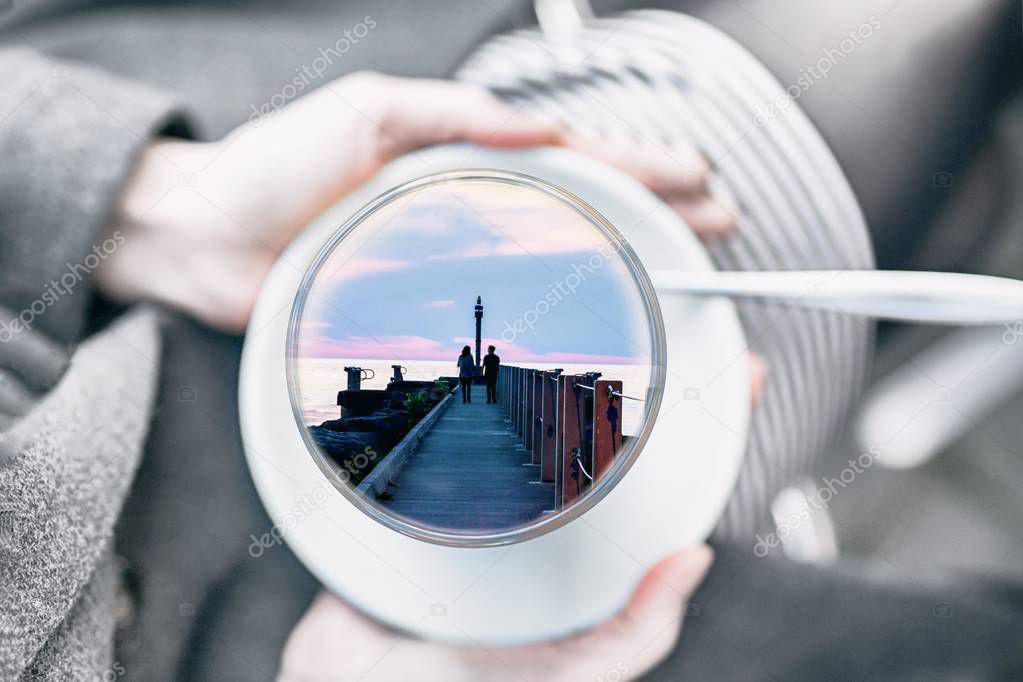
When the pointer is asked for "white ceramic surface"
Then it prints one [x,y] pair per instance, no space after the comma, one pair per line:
[579,573]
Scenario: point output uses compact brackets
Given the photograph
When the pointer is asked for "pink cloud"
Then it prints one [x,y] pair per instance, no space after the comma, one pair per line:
[405,348]
[513,353]
[411,348]
[361,266]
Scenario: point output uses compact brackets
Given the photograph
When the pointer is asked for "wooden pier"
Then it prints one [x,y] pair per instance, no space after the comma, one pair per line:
[490,467]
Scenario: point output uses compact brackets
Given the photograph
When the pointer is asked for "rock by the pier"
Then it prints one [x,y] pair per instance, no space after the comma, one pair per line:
[343,445]
[388,424]
[365,402]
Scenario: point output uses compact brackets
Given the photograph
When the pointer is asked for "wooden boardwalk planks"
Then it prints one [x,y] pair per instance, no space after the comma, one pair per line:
[468,473]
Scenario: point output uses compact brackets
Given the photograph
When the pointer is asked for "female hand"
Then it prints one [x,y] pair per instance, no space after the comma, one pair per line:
[200,224]
[335,642]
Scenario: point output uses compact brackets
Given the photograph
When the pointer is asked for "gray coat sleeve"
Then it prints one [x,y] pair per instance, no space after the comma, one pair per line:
[69,134]
[60,498]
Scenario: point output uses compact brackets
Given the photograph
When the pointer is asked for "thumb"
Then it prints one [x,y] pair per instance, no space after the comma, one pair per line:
[646,630]
[666,588]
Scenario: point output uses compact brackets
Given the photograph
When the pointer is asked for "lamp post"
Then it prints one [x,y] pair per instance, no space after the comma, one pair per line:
[479,327]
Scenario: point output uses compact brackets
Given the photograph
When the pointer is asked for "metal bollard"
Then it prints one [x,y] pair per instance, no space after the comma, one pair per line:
[398,373]
[354,378]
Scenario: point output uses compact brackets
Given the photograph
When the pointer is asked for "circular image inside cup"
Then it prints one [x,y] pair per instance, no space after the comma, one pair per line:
[475,358]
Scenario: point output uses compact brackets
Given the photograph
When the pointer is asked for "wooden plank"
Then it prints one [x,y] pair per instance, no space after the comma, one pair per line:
[467,474]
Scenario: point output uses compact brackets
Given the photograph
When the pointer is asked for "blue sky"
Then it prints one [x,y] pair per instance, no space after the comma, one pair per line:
[403,286]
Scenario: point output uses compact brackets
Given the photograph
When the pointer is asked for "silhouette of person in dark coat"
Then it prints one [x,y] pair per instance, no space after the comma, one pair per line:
[491,368]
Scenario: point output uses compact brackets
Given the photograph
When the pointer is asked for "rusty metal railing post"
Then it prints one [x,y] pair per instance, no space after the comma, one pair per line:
[516,393]
[550,427]
[509,392]
[607,425]
[527,433]
[520,384]
[536,435]
[502,376]
[572,425]
[559,439]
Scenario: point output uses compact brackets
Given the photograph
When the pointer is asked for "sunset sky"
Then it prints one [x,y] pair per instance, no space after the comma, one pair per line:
[403,285]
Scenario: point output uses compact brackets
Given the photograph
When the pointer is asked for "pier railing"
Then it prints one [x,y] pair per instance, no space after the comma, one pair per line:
[570,424]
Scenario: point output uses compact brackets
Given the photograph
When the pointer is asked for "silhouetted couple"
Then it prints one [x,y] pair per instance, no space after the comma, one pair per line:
[467,372]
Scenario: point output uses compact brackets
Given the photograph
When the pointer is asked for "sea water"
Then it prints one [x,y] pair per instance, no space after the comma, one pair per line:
[320,379]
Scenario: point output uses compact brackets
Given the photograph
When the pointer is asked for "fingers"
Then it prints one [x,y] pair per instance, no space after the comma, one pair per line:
[757,378]
[677,174]
[421,112]
[334,639]
[708,217]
